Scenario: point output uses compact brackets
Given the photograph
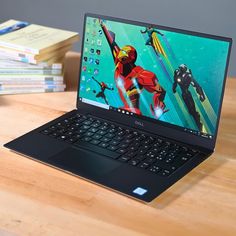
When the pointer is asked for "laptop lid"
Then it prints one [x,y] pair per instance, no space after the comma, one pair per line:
[166,81]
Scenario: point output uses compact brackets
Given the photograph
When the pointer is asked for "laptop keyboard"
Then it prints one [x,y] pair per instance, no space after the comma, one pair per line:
[135,148]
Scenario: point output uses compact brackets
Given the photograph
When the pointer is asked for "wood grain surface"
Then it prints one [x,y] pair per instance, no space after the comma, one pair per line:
[38,200]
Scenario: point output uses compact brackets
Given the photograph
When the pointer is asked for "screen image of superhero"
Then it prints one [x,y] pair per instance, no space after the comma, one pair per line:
[143,84]
[156,45]
[203,113]
[101,93]
[154,41]
[183,77]
[132,79]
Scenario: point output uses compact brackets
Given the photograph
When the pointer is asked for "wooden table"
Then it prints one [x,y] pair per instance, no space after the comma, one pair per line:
[38,200]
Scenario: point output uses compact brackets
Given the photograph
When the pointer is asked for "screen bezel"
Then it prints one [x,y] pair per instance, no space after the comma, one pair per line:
[160,128]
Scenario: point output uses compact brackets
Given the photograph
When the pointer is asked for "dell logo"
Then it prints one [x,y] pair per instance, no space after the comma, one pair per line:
[139,123]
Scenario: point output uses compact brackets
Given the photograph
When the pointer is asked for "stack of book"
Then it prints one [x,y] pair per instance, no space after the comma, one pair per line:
[31,57]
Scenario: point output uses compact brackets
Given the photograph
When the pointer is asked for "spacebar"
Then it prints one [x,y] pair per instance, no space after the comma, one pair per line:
[94,148]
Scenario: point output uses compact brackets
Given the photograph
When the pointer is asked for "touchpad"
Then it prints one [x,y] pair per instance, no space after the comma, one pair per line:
[84,163]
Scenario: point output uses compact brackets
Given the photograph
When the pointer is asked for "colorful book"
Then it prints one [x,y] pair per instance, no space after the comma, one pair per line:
[30,71]
[32,38]
[8,63]
[29,78]
[32,90]
[30,86]
[27,57]
[25,82]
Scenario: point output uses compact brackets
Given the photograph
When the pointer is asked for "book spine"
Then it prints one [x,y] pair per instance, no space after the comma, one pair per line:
[19,47]
[37,90]
[30,86]
[17,83]
[13,53]
[21,59]
[30,72]
[12,64]
[30,78]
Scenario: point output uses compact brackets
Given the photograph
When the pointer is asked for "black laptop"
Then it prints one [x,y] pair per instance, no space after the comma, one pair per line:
[148,107]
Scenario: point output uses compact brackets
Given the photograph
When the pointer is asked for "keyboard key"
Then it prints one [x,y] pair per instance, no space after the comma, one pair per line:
[87,139]
[110,135]
[89,134]
[84,127]
[140,157]
[77,136]
[131,154]
[112,147]
[121,150]
[118,138]
[95,125]
[142,151]
[62,130]
[95,141]
[52,128]
[128,141]
[80,131]
[72,140]
[87,122]
[76,125]
[134,162]
[130,136]
[104,145]
[91,119]
[146,146]
[169,160]
[124,159]
[164,173]
[70,133]
[54,134]
[133,148]
[150,160]
[112,130]
[94,130]
[114,142]
[103,127]
[144,165]
[101,132]
[97,136]
[184,158]
[123,145]
[59,124]
[148,141]
[46,131]
[104,139]
[62,137]
[121,133]
[155,169]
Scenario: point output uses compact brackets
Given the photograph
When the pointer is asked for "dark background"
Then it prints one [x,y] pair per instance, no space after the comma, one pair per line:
[208,16]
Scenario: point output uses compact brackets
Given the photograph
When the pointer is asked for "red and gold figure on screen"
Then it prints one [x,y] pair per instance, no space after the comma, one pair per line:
[131,79]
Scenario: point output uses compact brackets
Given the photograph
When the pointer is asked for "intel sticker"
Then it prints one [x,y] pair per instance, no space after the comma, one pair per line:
[139,191]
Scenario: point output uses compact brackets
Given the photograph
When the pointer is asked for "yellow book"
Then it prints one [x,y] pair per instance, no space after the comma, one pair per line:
[32,38]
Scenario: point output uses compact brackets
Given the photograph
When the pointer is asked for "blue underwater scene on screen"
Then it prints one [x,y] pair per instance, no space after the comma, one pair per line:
[168,76]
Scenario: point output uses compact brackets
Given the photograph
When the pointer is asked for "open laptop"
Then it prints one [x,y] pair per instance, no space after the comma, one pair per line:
[148,107]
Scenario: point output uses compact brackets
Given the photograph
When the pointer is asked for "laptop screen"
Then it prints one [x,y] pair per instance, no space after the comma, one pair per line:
[172,77]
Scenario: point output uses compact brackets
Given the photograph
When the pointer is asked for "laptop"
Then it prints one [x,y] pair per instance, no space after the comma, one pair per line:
[148,107]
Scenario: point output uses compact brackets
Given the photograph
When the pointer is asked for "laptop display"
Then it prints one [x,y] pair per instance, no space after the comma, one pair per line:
[154,73]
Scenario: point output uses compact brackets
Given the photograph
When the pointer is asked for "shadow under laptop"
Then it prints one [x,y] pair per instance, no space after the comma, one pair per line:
[188,182]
